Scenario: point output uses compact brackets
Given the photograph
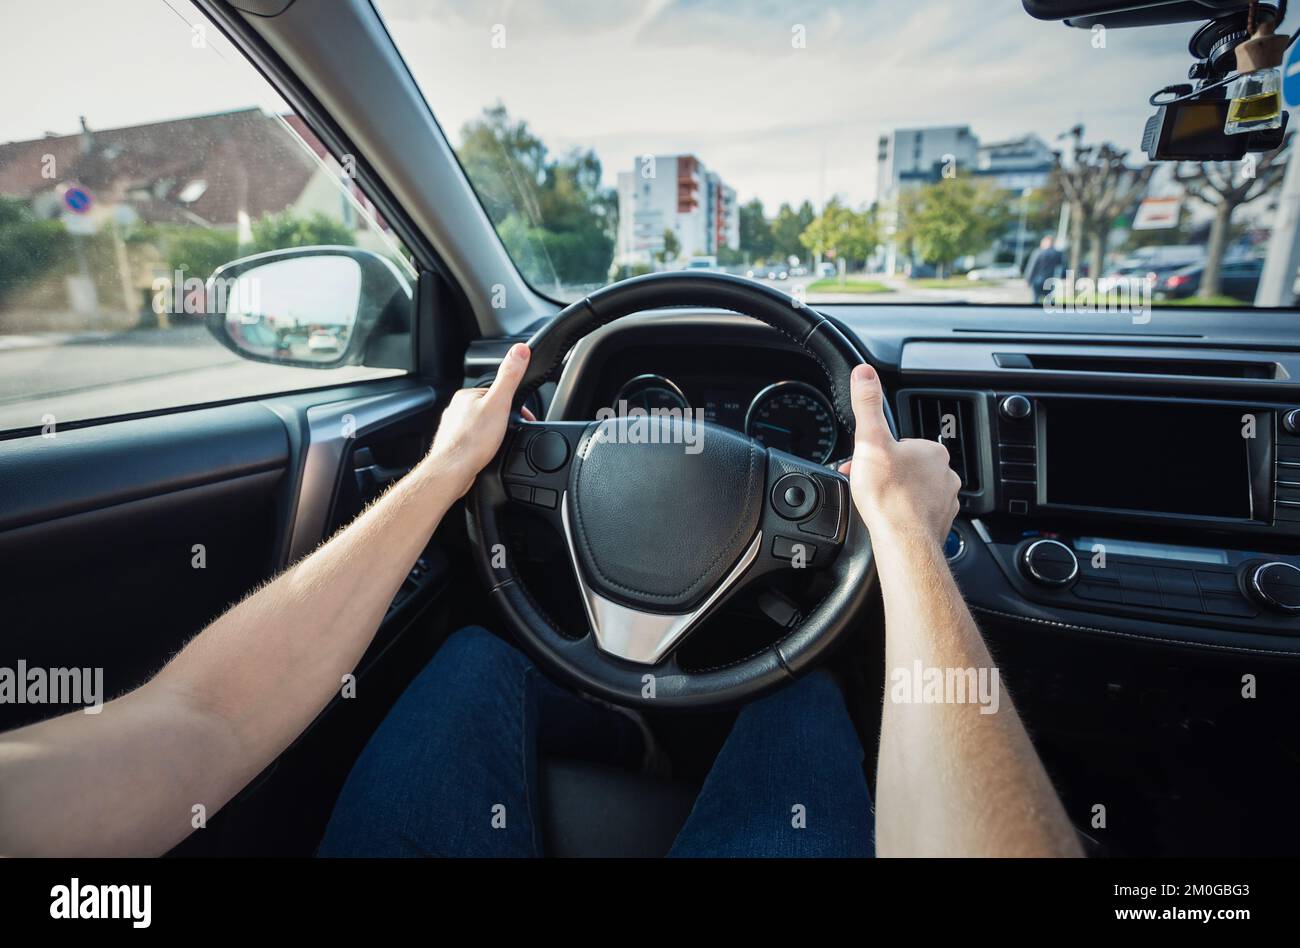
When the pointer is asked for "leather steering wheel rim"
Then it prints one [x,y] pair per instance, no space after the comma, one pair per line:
[574,656]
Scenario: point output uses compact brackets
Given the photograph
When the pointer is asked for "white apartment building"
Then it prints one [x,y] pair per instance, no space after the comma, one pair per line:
[677,193]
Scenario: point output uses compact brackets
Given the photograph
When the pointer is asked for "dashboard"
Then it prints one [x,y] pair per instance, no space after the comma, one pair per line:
[1134,481]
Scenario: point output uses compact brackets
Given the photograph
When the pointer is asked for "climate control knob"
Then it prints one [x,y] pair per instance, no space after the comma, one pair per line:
[1275,586]
[1049,563]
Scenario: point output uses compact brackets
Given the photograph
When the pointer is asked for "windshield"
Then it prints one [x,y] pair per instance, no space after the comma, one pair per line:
[866,151]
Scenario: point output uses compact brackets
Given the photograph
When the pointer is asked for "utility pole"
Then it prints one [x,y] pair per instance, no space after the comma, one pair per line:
[1020,231]
[1276,283]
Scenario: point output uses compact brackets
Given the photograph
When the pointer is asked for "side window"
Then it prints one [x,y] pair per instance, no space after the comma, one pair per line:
[134,189]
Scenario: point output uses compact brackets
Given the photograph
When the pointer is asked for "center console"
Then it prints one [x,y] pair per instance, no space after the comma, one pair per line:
[1167,509]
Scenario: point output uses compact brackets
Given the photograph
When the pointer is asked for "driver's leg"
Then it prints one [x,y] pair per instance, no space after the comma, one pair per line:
[452,770]
[787,782]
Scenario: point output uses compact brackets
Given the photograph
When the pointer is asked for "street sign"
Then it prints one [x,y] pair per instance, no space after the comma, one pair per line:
[77,199]
[1291,77]
[1158,213]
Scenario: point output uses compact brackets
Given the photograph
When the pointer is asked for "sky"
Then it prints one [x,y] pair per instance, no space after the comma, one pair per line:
[722,80]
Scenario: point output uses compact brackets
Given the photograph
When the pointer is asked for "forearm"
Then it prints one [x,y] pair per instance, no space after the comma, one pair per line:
[126,780]
[955,778]
[267,667]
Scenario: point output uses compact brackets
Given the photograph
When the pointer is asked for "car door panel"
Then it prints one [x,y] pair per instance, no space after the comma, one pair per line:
[120,541]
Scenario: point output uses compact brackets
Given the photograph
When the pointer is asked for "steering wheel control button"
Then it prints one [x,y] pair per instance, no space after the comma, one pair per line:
[517,464]
[1015,408]
[548,451]
[827,521]
[1276,586]
[1051,563]
[794,496]
[784,548]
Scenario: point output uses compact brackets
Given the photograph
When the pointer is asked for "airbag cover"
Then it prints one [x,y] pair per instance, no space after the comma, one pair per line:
[659,521]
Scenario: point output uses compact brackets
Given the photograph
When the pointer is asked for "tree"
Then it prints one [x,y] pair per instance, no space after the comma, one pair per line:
[841,232]
[554,217]
[1223,187]
[1099,186]
[672,246]
[755,231]
[789,227]
[30,247]
[951,218]
[278,231]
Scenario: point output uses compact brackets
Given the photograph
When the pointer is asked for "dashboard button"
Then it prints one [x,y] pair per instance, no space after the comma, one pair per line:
[1276,586]
[1015,407]
[521,492]
[1140,597]
[1223,604]
[1215,581]
[1291,421]
[545,497]
[953,546]
[1049,563]
[1101,592]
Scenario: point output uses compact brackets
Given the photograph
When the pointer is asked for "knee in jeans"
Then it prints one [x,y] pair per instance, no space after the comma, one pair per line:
[473,657]
[818,688]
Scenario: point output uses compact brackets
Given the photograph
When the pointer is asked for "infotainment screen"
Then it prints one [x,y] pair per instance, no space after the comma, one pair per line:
[1160,457]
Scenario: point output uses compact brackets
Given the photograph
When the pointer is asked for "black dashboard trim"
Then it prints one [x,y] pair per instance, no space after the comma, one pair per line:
[1157,639]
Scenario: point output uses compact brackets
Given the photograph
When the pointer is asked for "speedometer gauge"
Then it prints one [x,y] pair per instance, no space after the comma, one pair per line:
[793,417]
[650,392]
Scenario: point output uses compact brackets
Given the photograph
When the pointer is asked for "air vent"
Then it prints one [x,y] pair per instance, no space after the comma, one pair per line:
[951,422]
[1198,368]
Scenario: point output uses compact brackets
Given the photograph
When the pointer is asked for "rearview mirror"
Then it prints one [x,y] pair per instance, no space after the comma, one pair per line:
[315,307]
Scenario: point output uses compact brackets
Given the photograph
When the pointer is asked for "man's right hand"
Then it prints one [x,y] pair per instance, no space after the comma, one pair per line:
[901,488]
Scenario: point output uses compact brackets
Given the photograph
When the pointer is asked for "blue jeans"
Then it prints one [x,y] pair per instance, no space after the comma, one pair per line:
[457,757]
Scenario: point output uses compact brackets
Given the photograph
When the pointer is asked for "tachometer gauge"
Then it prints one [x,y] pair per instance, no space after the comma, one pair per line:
[793,417]
[649,392]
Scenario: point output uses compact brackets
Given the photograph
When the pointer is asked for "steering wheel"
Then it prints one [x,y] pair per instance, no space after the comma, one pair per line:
[666,518]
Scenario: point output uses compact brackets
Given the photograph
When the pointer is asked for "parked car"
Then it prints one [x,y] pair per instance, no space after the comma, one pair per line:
[1004,272]
[1238,279]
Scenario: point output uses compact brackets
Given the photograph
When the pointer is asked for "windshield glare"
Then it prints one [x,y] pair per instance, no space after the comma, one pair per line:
[848,152]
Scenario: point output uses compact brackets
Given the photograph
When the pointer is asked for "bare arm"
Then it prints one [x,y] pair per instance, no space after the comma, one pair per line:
[955,777]
[124,781]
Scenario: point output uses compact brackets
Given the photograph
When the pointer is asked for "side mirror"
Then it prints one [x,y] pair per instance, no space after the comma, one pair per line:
[315,307]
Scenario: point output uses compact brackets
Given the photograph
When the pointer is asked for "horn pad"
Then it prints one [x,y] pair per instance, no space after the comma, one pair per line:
[663,508]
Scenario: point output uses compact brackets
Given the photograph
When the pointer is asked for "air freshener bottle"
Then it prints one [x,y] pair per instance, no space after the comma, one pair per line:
[1256,102]
[1255,96]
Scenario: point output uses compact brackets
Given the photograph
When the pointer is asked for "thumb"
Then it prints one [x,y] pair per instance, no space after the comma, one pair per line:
[509,373]
[871,429]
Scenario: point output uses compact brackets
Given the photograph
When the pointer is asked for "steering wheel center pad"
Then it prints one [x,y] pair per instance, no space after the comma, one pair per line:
[658,525]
